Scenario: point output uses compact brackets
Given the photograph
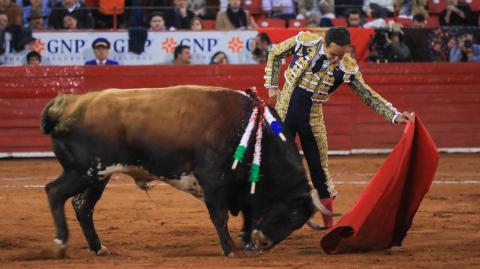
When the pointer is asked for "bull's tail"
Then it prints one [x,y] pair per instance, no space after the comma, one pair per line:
[52,112]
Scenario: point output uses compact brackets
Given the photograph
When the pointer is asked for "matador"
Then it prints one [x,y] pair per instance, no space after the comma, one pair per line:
[318,67]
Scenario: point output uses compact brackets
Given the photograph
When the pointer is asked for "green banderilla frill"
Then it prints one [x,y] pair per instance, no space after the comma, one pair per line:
[239,153]
[254,173]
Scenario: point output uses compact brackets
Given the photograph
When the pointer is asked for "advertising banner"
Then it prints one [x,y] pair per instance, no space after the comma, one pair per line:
[75,48]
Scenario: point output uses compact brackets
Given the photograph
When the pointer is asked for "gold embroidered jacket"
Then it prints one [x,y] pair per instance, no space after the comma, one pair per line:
[304,47]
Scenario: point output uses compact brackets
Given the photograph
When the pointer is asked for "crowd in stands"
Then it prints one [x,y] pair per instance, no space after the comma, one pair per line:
[24,16]
[228,14]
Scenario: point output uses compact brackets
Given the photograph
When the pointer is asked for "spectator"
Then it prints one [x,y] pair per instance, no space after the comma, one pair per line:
[71,7]
[280,9]
[262,47]
[181,55]
[465,50]
[378,8]
[34,58]
[157,23]
[196,24]
[180,16]
[36,20]
[342,7]
[456,14]
[408,8]
[205,9]
[419,21]
[198,7]
[41,7]
[419,42]
[219,58]
[354,19]
[235,17]
[70,22]
[327,11]
[13,11]
[399,51]
[308,10]
[3,21]
[388,46]
[101,48]
[311,24]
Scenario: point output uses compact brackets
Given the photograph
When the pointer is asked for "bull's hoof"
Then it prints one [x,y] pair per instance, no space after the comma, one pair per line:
[241,254]
[250,246]
[59,249]
[103,251]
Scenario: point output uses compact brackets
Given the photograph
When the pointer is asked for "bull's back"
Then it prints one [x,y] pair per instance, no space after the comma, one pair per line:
[181,116]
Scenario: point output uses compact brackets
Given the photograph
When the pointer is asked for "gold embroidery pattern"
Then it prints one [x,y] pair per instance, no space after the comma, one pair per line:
[295,74]
[272,70]
[320,134]
[372,98]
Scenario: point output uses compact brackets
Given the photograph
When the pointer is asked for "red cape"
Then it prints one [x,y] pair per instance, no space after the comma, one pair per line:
[383,213]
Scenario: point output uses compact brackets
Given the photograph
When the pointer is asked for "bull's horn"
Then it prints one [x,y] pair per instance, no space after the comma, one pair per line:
[312,224]
[320,206]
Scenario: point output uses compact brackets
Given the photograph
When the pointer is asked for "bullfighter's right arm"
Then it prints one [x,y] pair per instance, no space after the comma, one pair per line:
[275,56]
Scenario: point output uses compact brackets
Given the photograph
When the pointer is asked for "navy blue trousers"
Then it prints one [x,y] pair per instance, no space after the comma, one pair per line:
[296,121]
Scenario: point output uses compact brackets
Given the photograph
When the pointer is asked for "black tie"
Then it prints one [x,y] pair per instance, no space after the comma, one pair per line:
[318,65]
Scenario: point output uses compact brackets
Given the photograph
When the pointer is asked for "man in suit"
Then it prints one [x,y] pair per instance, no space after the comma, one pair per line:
[318,67]
[101,48]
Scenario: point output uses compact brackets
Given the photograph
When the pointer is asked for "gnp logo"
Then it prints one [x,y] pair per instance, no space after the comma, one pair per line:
[169,44]
[38,46]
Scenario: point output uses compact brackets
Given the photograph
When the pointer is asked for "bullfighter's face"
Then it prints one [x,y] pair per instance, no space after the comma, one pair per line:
[335,52]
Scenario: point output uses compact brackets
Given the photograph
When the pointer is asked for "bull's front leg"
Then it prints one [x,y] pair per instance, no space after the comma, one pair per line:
[219,216]
[245,235]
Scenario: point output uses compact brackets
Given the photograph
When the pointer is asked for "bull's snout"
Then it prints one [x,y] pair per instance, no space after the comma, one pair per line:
[260,240]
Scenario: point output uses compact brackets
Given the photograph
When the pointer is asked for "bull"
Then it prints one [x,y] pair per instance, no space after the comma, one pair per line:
[184,136]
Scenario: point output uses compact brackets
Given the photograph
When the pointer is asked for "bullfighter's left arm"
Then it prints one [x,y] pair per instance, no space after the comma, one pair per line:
[373,99]
[355,80]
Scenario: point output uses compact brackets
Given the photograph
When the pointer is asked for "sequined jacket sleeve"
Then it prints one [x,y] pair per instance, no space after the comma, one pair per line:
[372,98]
[274,60]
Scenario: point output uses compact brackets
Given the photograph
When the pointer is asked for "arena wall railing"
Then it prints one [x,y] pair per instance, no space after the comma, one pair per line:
[446,97]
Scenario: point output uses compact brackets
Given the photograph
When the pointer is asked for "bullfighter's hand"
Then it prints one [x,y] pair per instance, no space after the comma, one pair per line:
[273,93]
[405,117]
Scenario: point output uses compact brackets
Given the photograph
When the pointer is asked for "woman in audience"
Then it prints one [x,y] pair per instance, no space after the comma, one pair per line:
[219,58]
[196,24]
[235,17]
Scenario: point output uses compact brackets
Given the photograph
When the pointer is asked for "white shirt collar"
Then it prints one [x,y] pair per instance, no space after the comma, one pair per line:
[326,62]
[104,62]
[322,50]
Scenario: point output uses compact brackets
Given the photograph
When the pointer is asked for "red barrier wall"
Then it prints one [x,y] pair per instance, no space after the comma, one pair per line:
[446,96]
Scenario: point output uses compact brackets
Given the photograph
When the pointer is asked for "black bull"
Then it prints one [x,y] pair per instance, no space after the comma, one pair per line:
[184,136]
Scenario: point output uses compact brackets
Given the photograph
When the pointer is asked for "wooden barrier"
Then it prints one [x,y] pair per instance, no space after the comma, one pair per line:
[446,96]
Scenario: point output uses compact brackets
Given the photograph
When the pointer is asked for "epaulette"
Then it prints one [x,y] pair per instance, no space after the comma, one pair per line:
[307,39]
[349,66]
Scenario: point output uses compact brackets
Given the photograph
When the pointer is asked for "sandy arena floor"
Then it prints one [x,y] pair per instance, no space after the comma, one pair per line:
[171,229]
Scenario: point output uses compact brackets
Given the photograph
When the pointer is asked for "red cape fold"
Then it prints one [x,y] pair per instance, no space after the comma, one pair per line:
[383,213]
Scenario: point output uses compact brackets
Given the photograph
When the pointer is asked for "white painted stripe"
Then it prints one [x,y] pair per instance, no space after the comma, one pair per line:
[340,182]
[330,152]
[35,154]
